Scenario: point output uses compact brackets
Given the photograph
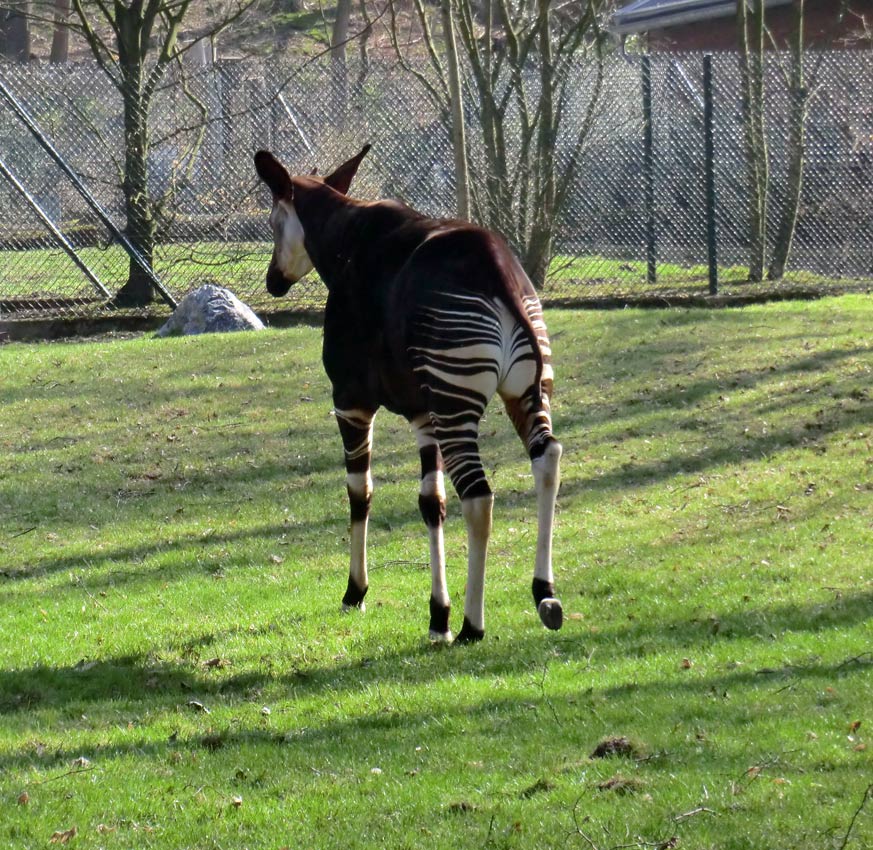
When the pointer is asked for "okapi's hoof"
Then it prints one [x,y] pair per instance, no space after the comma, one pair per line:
[469,633]
[549,608]
[354,598]
[551,613]
[439,622]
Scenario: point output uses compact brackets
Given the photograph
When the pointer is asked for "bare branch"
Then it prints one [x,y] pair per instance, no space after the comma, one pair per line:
[866,797]
[439,97]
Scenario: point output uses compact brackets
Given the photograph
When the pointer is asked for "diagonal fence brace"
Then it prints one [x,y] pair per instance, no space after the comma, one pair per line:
[50,226]
[26,119]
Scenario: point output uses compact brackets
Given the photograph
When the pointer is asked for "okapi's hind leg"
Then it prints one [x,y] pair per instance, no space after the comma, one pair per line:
[527,404]
[356,430]
[432,504]
[459,442]
[547,479]
[531,418]
[456,346]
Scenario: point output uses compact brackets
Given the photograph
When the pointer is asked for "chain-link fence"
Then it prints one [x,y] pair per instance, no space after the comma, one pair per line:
[60,254]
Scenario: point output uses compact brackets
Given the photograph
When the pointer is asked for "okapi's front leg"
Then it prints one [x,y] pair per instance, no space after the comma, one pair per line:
[356,429]
[432,504]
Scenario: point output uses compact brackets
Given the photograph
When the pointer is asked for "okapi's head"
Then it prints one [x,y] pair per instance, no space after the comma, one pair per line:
[290,259]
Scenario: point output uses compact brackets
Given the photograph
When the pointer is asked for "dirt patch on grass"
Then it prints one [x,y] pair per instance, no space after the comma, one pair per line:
[619,784]
[620,747]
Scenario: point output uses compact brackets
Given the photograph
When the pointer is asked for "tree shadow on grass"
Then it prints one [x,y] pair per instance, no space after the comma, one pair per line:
[687,394]
[116,566]
[137,682]
[269,476]
[578,719]
[117,561]
[809,433]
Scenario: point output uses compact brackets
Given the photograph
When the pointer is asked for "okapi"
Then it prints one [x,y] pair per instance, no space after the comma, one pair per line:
[427,318]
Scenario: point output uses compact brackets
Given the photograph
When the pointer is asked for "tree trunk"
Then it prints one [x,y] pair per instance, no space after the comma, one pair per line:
[363,52]
[751,38]
[539,252]
[796,153]
[538,256]
[519,59]
[15,32]
[140,230]
[762,154]
[459,141]
[340,72]
[61,37]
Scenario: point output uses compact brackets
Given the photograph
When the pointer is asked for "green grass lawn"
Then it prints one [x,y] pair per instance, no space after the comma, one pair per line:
[595,276]
[175,672]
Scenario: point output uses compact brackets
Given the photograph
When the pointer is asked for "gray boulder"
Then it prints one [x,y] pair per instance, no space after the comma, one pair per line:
[210,309]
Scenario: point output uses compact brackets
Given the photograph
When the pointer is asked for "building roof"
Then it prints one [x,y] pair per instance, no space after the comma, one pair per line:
[645,15]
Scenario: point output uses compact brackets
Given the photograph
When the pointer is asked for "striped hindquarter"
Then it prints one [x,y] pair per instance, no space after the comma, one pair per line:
[463,352]
[465,349]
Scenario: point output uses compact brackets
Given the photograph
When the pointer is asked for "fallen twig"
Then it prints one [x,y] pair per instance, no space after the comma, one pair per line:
[490,828]
[662,845]
[658,754]
[591,844]
[698,811]
[545,696]
[62,775]
[868,793]
[863,658]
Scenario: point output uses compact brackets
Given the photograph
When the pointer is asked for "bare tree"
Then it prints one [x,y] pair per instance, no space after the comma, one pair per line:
[764,202]
[519,62]
[459,123]
[363,48]
[340,73]
[135,42]
[798,97]
[61,35]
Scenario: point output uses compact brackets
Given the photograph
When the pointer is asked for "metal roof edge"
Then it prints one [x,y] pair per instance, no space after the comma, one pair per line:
[644,15]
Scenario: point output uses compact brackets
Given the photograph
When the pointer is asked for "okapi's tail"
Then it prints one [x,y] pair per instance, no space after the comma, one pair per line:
[524,303]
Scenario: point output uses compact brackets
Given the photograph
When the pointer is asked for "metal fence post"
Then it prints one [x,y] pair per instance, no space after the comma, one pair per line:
[649,170]
[709,157]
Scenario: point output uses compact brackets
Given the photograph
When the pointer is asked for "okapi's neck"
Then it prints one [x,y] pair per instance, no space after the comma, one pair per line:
[326,217]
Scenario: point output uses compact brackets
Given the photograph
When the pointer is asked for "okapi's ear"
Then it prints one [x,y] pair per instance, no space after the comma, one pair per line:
[341,179]
[273,173]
